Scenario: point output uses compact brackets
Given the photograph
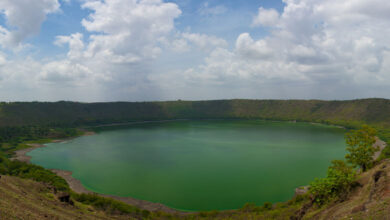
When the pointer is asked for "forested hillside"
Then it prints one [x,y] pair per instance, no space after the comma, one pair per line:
[73,114]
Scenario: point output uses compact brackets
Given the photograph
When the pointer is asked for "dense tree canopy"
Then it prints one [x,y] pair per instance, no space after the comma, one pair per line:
[337,184]
[360,147]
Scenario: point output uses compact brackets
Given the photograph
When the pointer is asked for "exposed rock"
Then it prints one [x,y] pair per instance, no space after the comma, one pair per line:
[379,184]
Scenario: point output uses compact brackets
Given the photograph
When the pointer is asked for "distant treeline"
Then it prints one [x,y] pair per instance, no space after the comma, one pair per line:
[73,114]
[15,135]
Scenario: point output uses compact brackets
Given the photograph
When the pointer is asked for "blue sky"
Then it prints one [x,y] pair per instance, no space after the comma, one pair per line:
[135,50]
[235,19]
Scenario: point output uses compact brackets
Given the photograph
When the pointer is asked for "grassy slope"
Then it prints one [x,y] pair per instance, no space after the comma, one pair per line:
[354,112]
[369,200]
[26,199]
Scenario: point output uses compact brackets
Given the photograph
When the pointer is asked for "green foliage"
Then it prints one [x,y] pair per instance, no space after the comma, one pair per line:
[267,206]
[359,146]
[250,207]
[384,135]
[109,205]
[337,184]
[350,114]
[16,135]
[34,172]
[3,161]
[27,121]
[385,152]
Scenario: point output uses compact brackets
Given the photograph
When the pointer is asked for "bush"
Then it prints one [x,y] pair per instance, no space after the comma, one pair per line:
[250,207]
[37,173]
[385,152]
[107,204]
[267,206]
[337,184]
[359,146]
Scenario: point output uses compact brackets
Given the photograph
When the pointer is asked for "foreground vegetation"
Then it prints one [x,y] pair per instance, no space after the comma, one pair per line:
[22,123]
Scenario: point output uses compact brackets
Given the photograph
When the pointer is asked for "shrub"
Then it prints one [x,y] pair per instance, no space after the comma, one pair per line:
[37,173]
[250,207]
[337,184]
[360,147]
[267,206]
[107,204]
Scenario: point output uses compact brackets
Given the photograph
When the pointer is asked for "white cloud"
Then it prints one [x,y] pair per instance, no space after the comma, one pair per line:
[248,48]
[206,10]
[128,31]
[3,59]
[126,36]
[203,41]
[314,49]
[24,18]
[65,71]
[179,45]
[266,17]
[314,45]
[76,45]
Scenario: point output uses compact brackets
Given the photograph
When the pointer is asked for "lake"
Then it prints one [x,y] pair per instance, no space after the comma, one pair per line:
[199,165]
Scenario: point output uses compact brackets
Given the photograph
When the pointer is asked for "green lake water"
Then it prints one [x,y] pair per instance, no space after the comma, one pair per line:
[199,165]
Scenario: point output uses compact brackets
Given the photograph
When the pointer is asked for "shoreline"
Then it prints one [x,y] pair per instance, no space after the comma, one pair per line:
[21,155]
[76,185]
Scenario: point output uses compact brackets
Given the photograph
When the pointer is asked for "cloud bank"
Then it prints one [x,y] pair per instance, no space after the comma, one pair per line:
[131,50]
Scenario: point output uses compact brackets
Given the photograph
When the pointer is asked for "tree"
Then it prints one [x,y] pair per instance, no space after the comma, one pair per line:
[337,183]
[360,147]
